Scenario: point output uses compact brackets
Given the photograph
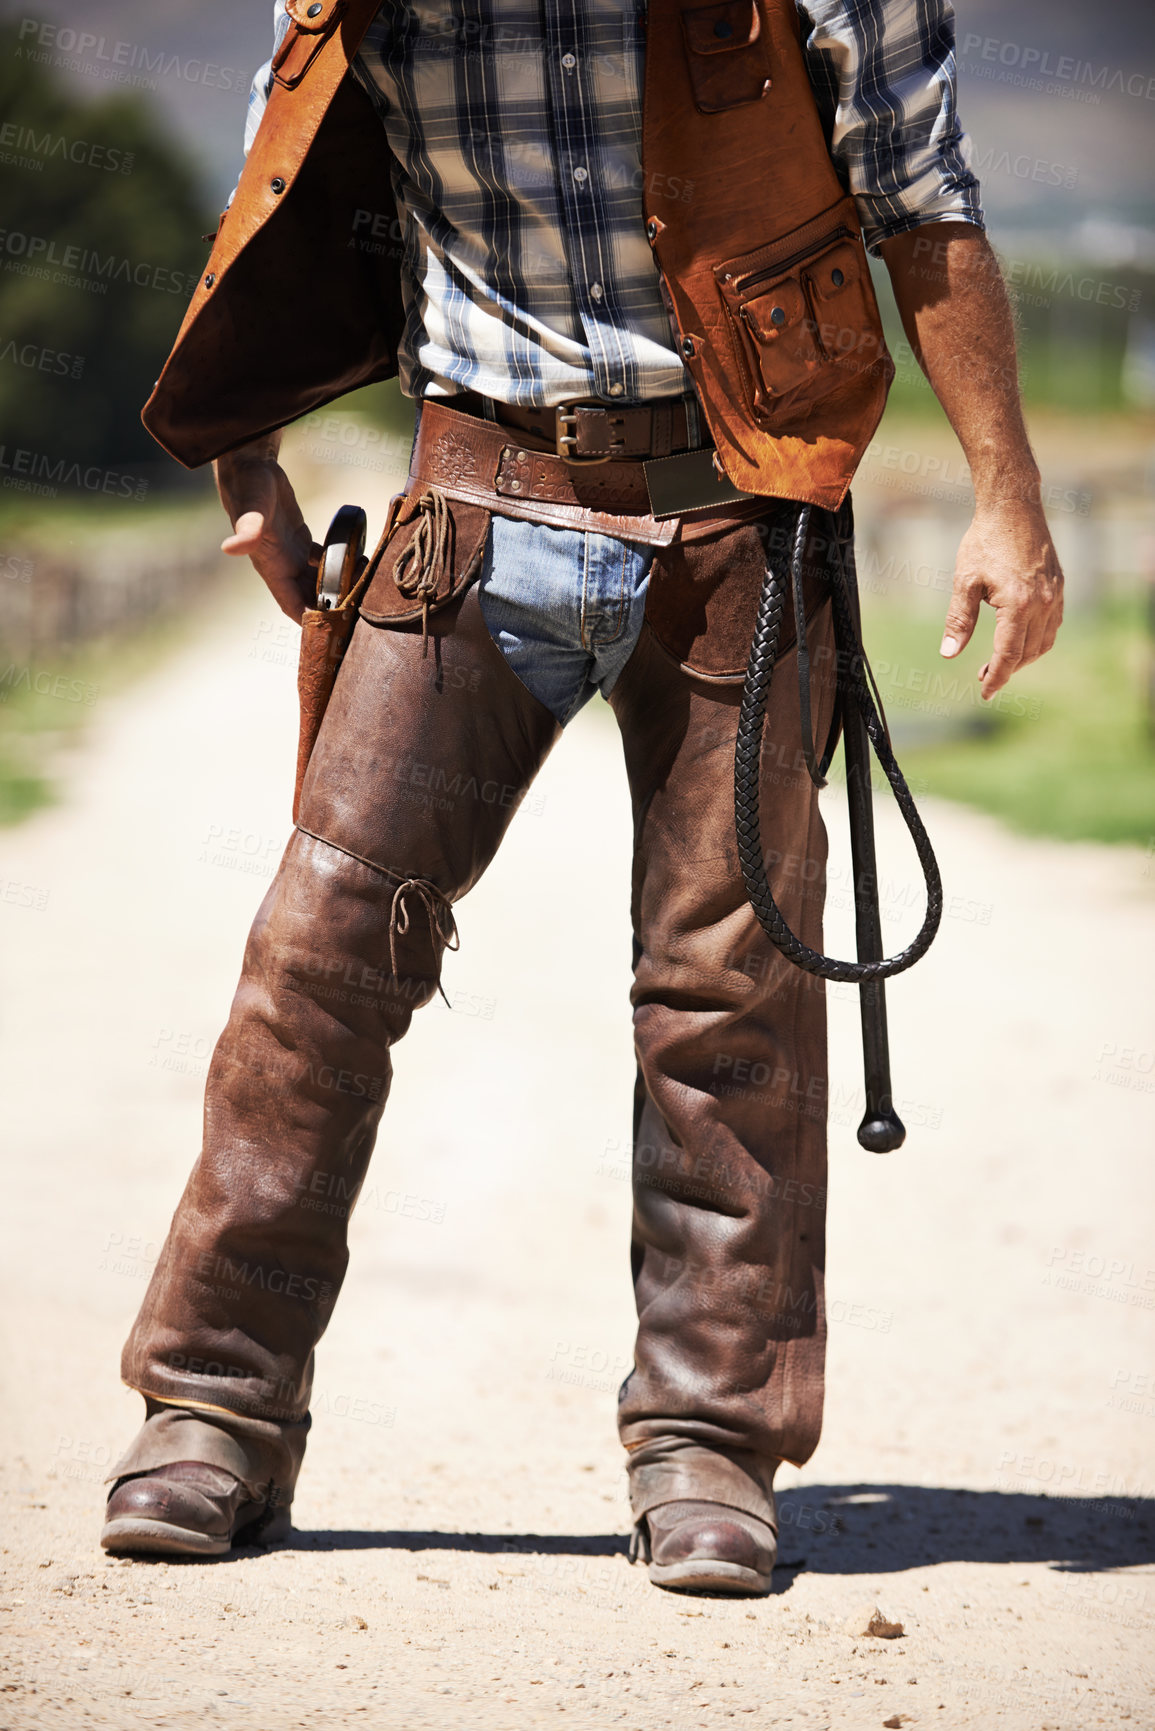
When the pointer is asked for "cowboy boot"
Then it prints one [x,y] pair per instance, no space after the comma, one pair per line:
[194,1484]
[694,1547]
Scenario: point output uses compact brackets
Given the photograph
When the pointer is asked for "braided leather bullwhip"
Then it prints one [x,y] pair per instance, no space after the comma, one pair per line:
[747,761]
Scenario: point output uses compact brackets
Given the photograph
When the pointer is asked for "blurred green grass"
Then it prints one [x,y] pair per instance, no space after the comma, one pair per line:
[37,727]
[1065,750]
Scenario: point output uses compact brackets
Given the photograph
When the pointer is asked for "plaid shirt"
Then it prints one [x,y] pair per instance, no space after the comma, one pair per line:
[516,126]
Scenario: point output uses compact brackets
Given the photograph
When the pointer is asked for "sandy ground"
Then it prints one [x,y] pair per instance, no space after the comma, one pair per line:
[460,1554]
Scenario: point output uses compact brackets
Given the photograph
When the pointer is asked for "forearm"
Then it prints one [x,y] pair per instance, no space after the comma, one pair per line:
[957,318]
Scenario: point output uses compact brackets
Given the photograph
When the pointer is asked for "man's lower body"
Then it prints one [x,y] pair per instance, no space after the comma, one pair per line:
[434,734]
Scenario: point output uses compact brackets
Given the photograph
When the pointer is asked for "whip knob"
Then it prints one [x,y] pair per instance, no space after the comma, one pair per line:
[881,1132]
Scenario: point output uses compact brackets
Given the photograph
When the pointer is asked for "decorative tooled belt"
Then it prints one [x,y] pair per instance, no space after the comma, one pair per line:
[481,463]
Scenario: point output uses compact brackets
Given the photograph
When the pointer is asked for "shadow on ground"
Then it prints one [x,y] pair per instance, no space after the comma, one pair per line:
[865,1529]
[856,1529]
[525,1544]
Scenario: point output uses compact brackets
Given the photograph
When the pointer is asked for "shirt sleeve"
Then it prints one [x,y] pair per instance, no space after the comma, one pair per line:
[263,82]
[883,73]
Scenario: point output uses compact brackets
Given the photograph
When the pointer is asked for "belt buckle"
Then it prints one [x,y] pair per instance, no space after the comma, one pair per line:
[566,416]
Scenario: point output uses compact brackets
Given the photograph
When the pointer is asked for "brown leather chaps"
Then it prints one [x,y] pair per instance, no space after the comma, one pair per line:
[729,1158]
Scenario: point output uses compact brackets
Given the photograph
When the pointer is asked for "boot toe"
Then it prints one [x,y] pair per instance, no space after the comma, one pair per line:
[704,1547]
[187,1508]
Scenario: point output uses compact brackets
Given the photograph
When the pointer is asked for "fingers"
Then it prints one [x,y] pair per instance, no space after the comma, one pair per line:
[282,563]
[1050,615]
[1054,620]
[292,592]
[1036,640]
[268,528]
[288,597]
[1012,630]
[246,535]
[1028,629]
[1007,557]
[961,615]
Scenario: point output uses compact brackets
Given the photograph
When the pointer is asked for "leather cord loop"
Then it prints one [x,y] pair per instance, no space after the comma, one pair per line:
[426,559]
[438,911]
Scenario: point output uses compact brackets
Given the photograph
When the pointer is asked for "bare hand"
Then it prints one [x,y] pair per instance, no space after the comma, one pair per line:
[1007,558]
[268,526]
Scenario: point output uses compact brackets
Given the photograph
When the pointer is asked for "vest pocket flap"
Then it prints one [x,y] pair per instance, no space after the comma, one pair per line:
[726,55]
[431,554]
[721,29]
[780,336]
[773,314]
[845,321]
[835,272]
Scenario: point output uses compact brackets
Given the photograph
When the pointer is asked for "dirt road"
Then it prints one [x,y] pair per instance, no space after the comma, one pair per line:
[459,1561]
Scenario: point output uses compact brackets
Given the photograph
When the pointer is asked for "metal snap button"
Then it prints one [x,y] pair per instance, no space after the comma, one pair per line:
[723,28]
[837,278]
[687,345]
[777,316]
[616,388]
[210,279]
[277,184]
[315,10]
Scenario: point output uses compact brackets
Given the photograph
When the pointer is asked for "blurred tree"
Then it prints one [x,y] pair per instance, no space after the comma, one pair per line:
[101,221]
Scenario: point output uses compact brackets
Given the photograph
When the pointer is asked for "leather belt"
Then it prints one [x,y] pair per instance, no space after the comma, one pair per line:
[477,462]
[593,432]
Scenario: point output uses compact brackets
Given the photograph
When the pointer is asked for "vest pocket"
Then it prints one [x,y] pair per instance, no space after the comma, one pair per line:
[779,338]
[726,56]
[803,314]
[845,325]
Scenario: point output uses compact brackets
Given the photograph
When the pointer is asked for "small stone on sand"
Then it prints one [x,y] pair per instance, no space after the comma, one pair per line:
[870,1621]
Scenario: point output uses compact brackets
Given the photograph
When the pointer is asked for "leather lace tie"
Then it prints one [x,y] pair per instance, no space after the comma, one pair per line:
[438,910]
[425,560]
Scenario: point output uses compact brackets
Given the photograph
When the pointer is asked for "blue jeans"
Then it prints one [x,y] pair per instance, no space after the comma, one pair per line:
[565,608]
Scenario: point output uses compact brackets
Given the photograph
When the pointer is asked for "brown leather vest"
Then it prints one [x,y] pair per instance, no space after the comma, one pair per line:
[758,246]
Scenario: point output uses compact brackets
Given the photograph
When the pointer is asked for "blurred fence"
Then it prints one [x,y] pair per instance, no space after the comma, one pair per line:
[61,594]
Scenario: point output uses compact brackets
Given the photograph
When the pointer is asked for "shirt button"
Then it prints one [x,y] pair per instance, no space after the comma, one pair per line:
[616,389]
[581,175]
[569,61]
[596,291]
